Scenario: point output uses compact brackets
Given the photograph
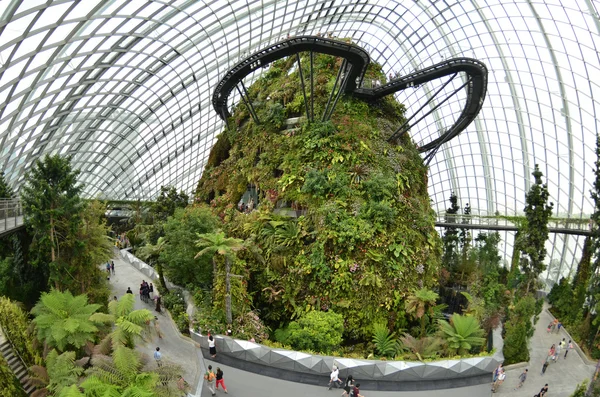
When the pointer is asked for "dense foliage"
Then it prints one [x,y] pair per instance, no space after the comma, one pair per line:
[15,324]
[365,232]
[316,331]
[534,232]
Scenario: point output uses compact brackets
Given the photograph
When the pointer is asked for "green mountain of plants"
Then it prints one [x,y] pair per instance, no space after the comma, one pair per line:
[343,221]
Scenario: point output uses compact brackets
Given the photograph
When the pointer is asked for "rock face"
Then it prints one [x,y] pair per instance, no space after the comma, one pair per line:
[343,221]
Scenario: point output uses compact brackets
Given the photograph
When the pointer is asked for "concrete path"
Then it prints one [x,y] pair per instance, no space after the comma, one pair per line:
[562,377]
[173,347]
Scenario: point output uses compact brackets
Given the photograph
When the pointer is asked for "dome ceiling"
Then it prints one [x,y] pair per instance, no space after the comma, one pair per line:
[125,88]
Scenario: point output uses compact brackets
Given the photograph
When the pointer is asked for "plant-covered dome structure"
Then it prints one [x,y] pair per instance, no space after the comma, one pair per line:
[343,219]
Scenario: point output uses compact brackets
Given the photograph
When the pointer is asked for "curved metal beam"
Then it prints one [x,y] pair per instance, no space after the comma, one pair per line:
[359,59]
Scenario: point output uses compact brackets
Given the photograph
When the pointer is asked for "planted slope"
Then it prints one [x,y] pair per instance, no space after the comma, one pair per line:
[365,237]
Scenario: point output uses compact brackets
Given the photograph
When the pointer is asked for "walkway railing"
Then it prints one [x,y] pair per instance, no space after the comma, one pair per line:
[11,214]
[576,226]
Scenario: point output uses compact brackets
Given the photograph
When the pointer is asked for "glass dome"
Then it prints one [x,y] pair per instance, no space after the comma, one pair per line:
[125,87]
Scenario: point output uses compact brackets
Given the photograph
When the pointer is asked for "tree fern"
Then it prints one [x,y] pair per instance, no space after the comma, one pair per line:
[383,340]
[64,320]
[72,391]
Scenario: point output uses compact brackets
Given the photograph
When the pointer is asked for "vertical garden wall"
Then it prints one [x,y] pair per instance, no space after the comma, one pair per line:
[343,222]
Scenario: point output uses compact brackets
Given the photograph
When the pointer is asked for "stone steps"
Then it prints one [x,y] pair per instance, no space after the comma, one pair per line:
[16,365]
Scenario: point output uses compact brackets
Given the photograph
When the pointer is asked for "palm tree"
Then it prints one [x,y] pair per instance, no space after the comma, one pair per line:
[462,333]
[418,304]
[63,320]
[59,373]
[151,254]
[217,244]
[130,324]
[122,374]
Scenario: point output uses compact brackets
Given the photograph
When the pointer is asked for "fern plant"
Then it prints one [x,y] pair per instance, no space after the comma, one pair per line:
[385,343]
[63,320]
[421,348]
[60,372]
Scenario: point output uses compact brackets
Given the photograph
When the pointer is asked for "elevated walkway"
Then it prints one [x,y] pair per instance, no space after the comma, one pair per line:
[578,227]
[351,74]
[11,216]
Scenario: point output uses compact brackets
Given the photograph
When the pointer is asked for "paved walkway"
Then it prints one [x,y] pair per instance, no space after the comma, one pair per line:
[562,377]
[173,347]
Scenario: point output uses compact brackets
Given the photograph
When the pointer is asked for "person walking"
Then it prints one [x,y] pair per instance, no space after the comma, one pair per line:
[499,381]
[220,380]
[151,291]
[211,346]
[112,267]
[334,378]
[108,268]
[542,392]
[158,357]
[158,303]
[356,391]
[209,377]
[157,328]
[569,347]
[129,291]
[522,379]
[348,385]
[545,366]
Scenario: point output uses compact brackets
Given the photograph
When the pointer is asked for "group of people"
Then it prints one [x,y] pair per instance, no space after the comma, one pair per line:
[213,378]
[499,376]
[110,268]
[246,208]
[146,291]
[554,326]
[555,351]
[351,389]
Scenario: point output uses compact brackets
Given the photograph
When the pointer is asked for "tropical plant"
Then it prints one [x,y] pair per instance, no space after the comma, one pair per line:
[535,230]
[122,374]
[6,191]
[178,256]
[65,321]
[168,201]
[15,324]
[217,244]
[462,333]
[581,389]
[419,303]
[59,373]
[9,384]
[421,348]
[151,254]
[52,205]
[129,324]
[317,331]
[384,341]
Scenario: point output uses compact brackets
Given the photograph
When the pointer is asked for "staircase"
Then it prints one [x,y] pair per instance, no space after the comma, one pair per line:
[16,364]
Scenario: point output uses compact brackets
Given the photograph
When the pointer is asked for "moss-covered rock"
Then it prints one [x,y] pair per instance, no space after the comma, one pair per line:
[365,236]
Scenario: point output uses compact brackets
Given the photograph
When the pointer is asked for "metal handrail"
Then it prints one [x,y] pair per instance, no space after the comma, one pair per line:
[10,208]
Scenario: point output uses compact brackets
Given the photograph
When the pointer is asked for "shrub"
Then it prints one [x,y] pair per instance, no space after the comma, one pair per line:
[183,323]
[15,324]
[515,343]
[248,326]
[316,331]
[580,389]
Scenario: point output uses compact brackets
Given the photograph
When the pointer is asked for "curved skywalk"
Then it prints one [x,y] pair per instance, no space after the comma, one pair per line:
[125,88]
